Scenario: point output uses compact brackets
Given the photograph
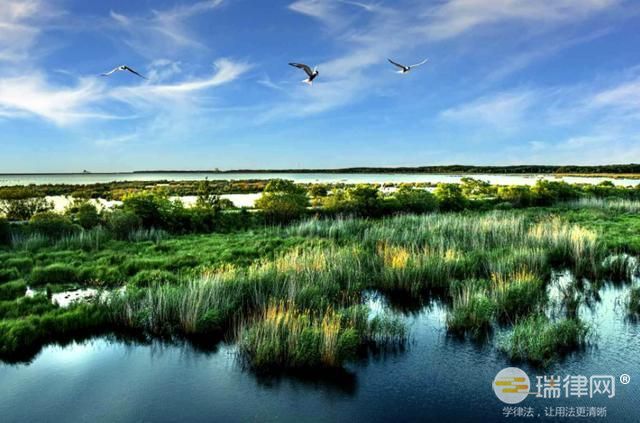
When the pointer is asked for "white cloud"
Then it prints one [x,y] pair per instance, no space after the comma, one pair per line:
[456,17]
[226,71]
[34,95]
[18,29]
[504,111]
[162,30]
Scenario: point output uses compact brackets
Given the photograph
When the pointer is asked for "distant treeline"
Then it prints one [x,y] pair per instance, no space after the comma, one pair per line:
[517,169]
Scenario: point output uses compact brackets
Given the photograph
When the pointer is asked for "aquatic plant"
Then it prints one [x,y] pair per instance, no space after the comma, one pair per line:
[284,336]
[538,340]
[472,311]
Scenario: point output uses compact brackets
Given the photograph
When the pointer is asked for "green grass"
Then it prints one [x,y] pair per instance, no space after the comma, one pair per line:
[472,311]
[317,270]
[540,341]
[285,337]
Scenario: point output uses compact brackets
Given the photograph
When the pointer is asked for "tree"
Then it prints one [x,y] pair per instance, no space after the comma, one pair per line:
[283,200]
[450,197]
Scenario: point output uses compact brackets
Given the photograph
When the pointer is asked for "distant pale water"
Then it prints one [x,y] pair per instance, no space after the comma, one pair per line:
[348,178]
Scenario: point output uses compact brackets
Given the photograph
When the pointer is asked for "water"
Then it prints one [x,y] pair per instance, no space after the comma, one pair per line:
[436,378]
[378,178]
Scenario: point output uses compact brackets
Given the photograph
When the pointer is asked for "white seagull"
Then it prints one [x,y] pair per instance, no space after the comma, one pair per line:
[405,69]
[312,74]
[123,68]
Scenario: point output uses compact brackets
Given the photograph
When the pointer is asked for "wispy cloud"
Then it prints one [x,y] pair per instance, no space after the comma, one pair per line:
[162,30]
[226,71]
[19,27]
[503,111]
[34,95]
[456,17]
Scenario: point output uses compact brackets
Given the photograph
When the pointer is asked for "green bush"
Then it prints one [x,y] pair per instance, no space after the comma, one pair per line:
[283,201]
[12,290]
[122,223]
[54,274]
[412,200]
[84,214]
[153,209]
[146,278]
[450,197]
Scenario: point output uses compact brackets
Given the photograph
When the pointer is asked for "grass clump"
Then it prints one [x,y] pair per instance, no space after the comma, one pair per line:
[54,274]
[472,311]
[285,337]
[517,295]
[538,340]
[12,290]
[146,278]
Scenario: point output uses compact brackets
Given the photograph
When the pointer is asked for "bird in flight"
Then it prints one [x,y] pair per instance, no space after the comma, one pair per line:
[312,74]
[405,69]
[123,68]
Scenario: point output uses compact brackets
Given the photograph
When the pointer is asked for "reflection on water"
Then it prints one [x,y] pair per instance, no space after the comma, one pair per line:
[435,377]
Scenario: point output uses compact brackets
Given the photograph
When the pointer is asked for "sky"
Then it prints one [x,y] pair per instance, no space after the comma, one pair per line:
[507,82]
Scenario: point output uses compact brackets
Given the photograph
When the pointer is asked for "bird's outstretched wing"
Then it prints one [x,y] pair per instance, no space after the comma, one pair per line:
[304,67]
[110,72]
[421,63]
[396,64]
[134,72]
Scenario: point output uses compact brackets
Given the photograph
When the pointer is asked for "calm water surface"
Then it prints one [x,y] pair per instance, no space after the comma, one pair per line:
[436,378]
[298,177]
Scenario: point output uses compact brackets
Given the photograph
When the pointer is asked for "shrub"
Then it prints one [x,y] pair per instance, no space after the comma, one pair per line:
[84,214]
[122,223]
[450,197]
[517,195]
[54,274]
[12,290]
[152,209]
[413,200]
[146,278]
[52,225]
[283,201]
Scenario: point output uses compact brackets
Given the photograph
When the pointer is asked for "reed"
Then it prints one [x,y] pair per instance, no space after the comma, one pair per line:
[538,340]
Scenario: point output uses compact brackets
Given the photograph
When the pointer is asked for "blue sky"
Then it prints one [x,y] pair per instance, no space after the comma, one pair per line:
[507,82]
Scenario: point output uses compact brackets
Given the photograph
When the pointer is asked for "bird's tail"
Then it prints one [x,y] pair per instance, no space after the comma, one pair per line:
[308,81]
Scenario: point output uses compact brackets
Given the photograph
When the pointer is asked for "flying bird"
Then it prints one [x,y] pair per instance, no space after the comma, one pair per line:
[123,68]
[312,74]
[405,69]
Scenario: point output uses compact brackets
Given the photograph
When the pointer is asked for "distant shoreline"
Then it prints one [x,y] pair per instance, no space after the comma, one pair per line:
[614,171]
